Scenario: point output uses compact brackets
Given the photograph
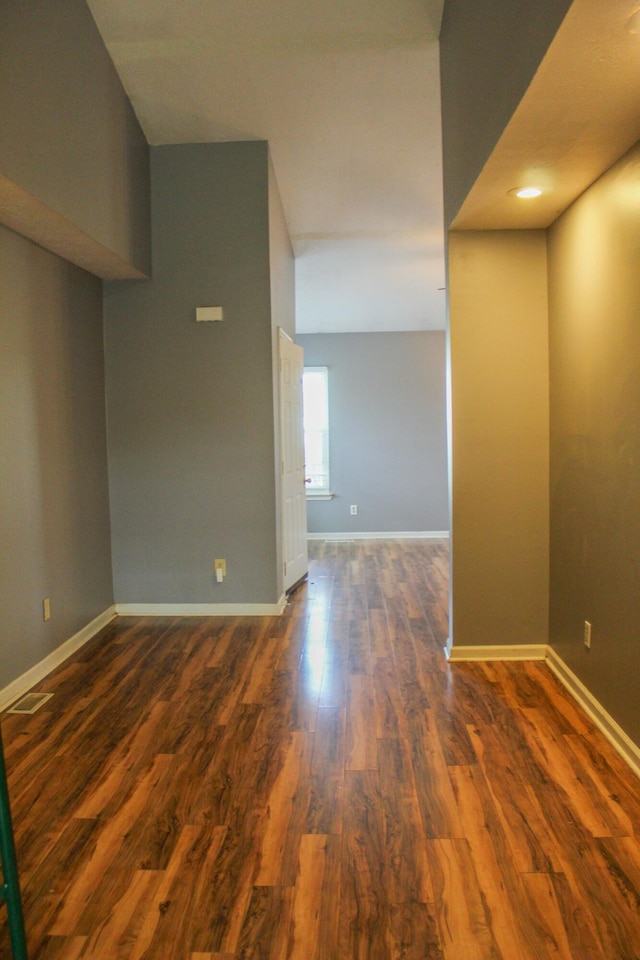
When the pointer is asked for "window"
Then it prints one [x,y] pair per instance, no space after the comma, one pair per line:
[315,395]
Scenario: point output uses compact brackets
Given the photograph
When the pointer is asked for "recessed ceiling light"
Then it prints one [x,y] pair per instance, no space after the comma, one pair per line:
[525,193]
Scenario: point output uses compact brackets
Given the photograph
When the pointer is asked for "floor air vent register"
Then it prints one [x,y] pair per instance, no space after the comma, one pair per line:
[30,703]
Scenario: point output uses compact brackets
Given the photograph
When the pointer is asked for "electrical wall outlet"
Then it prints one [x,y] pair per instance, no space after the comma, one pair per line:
[220,569]
[46,609]
[587,634]
[354,509]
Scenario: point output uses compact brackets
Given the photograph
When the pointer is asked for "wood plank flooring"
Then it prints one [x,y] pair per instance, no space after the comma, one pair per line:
[319,786]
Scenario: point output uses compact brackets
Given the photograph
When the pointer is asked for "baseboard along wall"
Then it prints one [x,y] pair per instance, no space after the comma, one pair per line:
[35,674]
[22,684]
[621,742]
[522,651]
[398,535]
[202,609]
[602,719]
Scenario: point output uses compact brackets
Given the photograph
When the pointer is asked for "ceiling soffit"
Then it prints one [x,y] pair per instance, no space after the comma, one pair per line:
[579,115]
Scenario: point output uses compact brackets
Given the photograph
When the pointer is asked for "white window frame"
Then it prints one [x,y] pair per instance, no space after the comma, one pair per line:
[321,437]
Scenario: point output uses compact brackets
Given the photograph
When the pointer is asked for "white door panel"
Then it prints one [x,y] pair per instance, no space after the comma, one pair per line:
[294,504]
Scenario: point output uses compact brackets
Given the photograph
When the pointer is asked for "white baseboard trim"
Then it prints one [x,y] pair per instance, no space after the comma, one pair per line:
[619,740]
[22,684]
[202,609]
[391,535]
[517,651]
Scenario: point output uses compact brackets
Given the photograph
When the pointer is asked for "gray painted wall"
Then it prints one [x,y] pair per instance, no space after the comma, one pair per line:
[191,405]
[594,263]
[489,52]
[387,431]
[68,134]
[54,507]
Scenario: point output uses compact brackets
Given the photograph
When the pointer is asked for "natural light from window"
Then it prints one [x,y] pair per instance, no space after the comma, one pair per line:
[315,382]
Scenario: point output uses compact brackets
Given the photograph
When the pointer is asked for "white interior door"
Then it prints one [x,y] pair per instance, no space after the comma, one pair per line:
[294,502]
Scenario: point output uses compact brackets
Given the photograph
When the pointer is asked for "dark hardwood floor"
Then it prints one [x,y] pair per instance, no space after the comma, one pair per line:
[319,786]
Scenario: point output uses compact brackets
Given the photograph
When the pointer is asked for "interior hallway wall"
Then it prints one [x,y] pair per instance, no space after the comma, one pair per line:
[54,505]
[489,53]
[387,431]
[71,155]
[69,136]
[594,263]
[500,428]
[191,405]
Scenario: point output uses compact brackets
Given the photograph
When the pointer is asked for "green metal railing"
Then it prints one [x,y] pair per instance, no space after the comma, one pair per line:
[10,888]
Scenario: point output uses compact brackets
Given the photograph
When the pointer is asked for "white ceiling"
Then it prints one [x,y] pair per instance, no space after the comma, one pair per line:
[347,94]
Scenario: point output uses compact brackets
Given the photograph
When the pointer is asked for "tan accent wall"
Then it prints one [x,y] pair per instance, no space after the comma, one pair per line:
[594,296]
[500,428]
